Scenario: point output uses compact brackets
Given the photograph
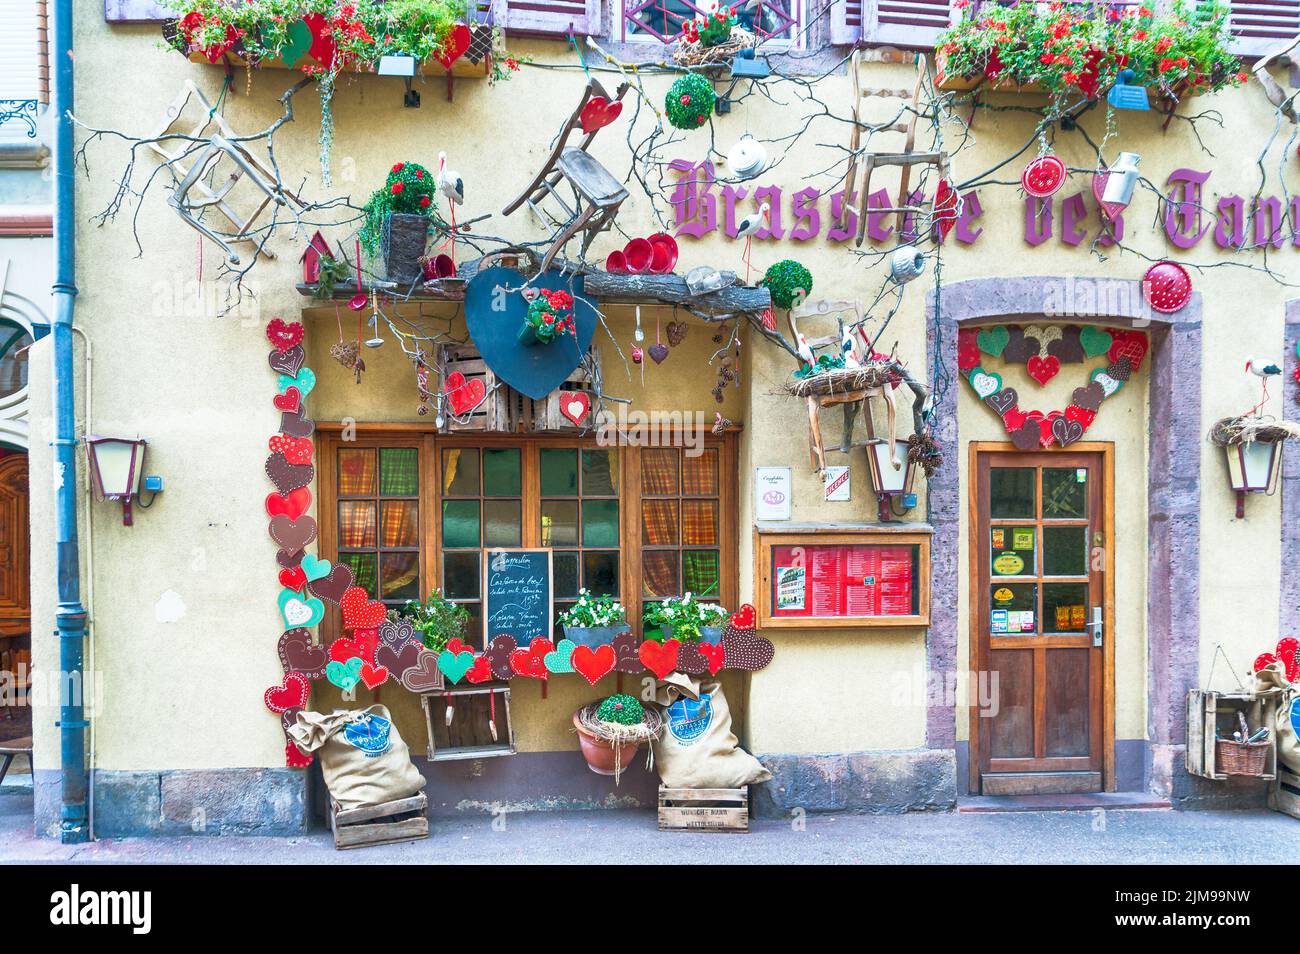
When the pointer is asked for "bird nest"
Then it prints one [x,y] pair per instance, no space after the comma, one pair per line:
[1230,431]
[697,54]
[618,734]
[840,381]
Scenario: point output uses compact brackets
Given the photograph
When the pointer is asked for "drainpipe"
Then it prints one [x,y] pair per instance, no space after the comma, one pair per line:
[70,617]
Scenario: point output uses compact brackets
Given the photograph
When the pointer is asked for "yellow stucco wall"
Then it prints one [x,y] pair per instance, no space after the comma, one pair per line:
[184,674]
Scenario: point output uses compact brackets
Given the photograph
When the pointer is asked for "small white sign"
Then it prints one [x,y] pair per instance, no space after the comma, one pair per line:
[837,483]
[772,493]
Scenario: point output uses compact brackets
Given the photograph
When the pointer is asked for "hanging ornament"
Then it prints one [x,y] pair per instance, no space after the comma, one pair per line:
[906,263]
[945,208]
[747,158]
[658,350]
[1111,210]
[1167,287]
[1044,176]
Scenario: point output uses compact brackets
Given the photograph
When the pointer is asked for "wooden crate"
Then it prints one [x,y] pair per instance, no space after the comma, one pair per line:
[469,736]
[528,415]
[494,413]
[1207,710]
[1284,796]
[703,809]
[387,823]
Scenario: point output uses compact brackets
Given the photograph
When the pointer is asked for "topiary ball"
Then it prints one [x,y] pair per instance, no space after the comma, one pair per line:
[690,102]
[623,709]
[785,279]
[410,188]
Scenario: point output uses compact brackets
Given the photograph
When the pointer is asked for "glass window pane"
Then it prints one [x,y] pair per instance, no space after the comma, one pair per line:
[1011,492]
[700,474]
[502,523]
[1065,551]
[659,471]
[1065,492]
[501,472]
[460,523]
[557,628]
[700,572]
[364,572]
[564,567]
[659,523]
[600,523]
[600,473]
[559,472]
[659,573]
[399,471]
[1065,607]
[401,524]
[401,576]
[474,627]
[356,472]
[559,523]
[460,472]
[1014,605]
[356,524]
[460,576]
[600,571]
[700,523]
[1012,551]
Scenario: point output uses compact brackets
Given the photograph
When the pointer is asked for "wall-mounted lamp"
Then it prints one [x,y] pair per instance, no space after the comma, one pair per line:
[117,463]
[1253,467]
[889,481]
[396,64]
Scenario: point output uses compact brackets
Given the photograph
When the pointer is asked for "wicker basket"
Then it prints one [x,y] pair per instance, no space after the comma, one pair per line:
[1241,758]
[839,381]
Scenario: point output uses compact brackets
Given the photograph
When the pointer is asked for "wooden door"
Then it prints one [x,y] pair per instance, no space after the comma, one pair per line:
[1041,622]
[15,604]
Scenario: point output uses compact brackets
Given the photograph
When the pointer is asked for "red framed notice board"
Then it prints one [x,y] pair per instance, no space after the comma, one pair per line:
[858,578]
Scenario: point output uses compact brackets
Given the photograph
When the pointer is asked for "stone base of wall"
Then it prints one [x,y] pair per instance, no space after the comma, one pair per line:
[1189,793]
[916,780]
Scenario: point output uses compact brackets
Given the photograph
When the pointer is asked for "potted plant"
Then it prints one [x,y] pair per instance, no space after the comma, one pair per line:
[550,314]
[710,29]
[610,732]
[397,219]
[594,620]
[438,619]
[686,619]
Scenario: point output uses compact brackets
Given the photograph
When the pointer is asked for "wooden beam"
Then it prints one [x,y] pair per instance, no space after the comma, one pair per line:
[672,290]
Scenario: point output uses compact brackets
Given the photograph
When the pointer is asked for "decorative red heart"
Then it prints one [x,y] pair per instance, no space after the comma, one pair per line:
[464,395]
[1128,344]
[293,758]
[743,618]
[945,208]
[715,654]
[457,646]
[1046,437]
[1043,369]
[1080,414]
[593,664]
[599,113]
[660,658]
[290,401]
[359,646]
[373,676]
[481,671]
[290,694]
[284,334]
[457,43]
[1014,420]
[296,450]
[968,349]
[531,662]
[292,505]
[1286,651]
[293,579]
[361,612]
[574,405]
[1262,660]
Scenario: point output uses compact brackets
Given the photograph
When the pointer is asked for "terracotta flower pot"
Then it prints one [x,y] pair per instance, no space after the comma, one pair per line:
[600,754]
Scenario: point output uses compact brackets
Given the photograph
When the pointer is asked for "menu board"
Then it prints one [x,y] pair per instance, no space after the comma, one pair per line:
[517,594]
[850,580]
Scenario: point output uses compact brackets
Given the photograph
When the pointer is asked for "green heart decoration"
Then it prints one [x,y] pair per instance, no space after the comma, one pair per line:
[561,660]
[1094,340]
[315,567]
[345,675]
[1108,384]
[300,610]
[297,43]
[455,665]
[304,381]
[984,382]
[993,341]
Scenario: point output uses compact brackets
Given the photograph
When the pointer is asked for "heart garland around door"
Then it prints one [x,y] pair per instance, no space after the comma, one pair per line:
[1124,350]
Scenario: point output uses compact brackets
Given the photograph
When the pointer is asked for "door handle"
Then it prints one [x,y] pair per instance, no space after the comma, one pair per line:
[1097,626]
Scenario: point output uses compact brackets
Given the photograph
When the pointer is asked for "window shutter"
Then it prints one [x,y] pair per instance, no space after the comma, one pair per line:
[910,23]
[1260,26]
[135,11]
[20,70]
[552,17]
[846,21]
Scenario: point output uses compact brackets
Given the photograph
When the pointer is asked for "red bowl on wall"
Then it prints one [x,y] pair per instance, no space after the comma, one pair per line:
[616,264]
[663,261]
[638,254]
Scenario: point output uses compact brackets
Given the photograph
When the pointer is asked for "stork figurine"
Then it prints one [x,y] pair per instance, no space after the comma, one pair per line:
[805,350]
[849,348]
[451,185]
[1262,369]
[748,227]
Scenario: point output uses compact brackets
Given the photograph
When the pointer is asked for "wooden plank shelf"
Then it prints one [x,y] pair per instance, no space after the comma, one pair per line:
[672,290]
[704,809]
[1284,796]
[470,734]
[387,823]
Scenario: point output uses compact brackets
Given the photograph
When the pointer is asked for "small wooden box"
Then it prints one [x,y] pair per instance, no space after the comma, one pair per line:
[469,736]
[1208,710]
[1284,796]
[529,415]
[703,809]
[494,413]
[387,823]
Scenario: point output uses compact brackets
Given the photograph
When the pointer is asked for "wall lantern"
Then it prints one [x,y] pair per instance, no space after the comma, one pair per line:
[1253,467]
[116,464]
[890,482]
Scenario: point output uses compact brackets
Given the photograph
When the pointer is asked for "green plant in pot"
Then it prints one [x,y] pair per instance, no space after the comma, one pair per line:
[685,618]
[594,620]
[550,315]
[610,732]
[397,220]
[438,620]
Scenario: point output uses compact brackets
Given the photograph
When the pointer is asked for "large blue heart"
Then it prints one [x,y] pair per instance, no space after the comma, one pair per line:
[494,317]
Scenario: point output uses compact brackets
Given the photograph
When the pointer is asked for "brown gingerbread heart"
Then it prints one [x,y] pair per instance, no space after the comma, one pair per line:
[691,660]
[296,424]
[498,654]
[627,653]
[397,633]
[1089,397]
[1027,436]
[331,588]
[745,649]
[292,534]
[288,558]
[287,476]
[288,361]
[299,654]
[424,675]
[398,659]
[289,718]
[1067,349]
[677,332]
[1003,400]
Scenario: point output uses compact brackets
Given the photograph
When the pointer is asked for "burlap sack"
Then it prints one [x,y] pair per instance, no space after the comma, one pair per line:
[361,755]
[1273,678]
[697,748]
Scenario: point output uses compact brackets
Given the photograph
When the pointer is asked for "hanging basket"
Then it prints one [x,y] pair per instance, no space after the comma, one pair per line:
[840,381]
[697,54]
[1230,431]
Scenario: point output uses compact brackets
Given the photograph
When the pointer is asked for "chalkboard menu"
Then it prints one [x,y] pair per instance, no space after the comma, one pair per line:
[517,598]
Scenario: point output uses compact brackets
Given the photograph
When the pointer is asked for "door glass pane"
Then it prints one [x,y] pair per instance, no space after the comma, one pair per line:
[1065,492]
[700,572]
[659,523]
[565,568]
[659,573]
[399,471]
[1011,492]
[356,472]
[600,571]
[460,576]
[559,523]
[357,524]
[700,523]
[1013,607]
[501,477]
[460,472]
[401,524]
[400,573]
[502,523]
[559,472]
[460,523]
[1065,551]
[1065,607]
[600,523]
[1012,551]
[364,573]
[700,474]
[659,471]
[600,473]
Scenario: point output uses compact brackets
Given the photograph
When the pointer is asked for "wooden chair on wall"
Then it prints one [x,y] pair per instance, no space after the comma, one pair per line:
[851,400]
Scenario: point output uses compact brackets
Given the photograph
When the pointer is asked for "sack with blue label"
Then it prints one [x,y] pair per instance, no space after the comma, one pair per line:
[697,748]
[1272,678]
[361,754]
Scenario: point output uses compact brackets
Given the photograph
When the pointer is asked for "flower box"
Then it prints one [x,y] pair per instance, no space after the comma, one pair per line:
[594,636]
[708,634]
[460,67]
[969,81]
